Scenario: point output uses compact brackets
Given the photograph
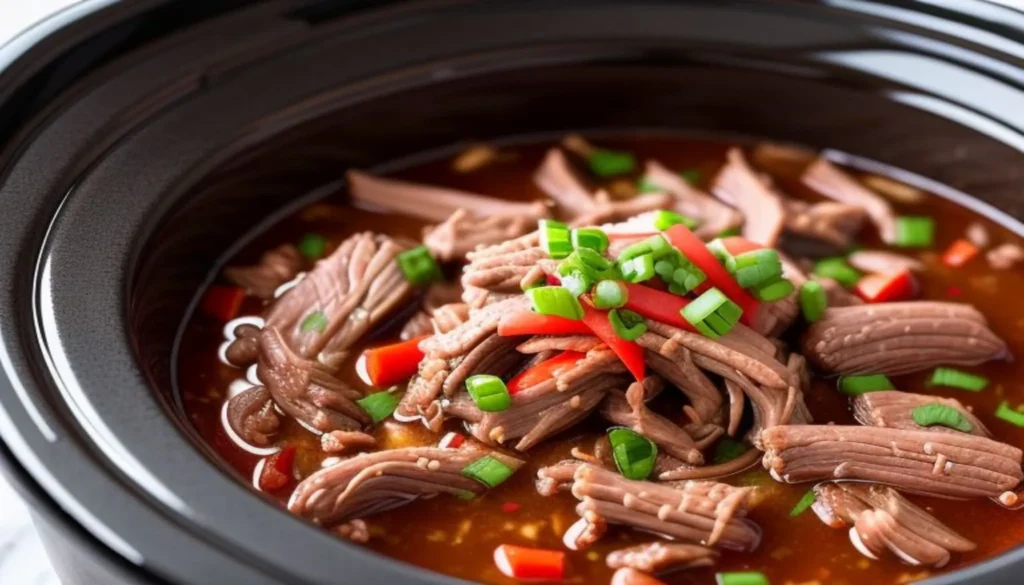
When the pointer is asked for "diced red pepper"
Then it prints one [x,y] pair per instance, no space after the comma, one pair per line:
[694,249]
[959,253]
[737,245]
[452,440]
[530,323]
[545,370]
[278,470]
[511,507]
[222,302]
[630,352]
[392,364]
[954,291]
[887,288]
[663,307]
[518,562]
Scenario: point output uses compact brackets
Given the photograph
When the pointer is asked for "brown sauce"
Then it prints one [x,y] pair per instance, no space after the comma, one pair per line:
[458,537]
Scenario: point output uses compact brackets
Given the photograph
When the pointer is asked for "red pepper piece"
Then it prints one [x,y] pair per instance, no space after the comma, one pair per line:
[392,364]
[277,470]
[530,323]
[222,302]
[452,440]
[887,288]
[519,562]
[544,371]
[511,507]
[959,253]
[631,354]
[694,249]
[663,307]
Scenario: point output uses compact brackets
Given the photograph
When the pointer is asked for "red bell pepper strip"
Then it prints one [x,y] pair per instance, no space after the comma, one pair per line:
[526,564]
[452,440]
[694,249]
[631,354]
[545,370]
[959,253]
[530,323]
[663,307]
[887,288]
[222,302]
[392,364]
[278,470]
[737,245]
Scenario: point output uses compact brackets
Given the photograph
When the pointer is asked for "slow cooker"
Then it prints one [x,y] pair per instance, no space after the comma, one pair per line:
[141,142]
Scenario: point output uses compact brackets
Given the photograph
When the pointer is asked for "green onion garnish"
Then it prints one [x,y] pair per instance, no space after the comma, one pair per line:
[488,392]
[712,313]
[752,269]
[576,282]
[638,269]
[928,415]
[555,300]
[610,294]
[627,324]
[685,276]
[315,321]
[837,269]
[726,233]
[805,502]
[312,246]
[813,300]
[666,219]
[379,405]
[418,266]
[857,385]
[645,185]
[590,238]
[555,238]
[608,163]
[718,250]
[1010,415]
[742,578]
[774,290]
[914,232]
[634,454]
[488,470]
[692,176]
[727,449]
[952,378]
[657,246]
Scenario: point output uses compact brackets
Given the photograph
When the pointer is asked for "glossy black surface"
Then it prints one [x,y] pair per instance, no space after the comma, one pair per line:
[136,165]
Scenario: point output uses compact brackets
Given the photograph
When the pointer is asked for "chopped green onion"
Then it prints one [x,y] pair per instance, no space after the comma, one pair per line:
[952,378]
[608,163]
[576,282]
[805,502]
[555,300]
[634,454]
[313,246]
[419,266]
[727,449]
[726,233]
[742,578]
[914,231]
[1010,415]
[666,219]
[555,238]
[813,300]
[757,267]
[928,415]
[379,405]
[685,277]
[657,246]
[465,495]
[488,392]
[857,385]
[590,238]
[610,294]
[712,313]
[692,176]
[638,269]
[627,324]
[837,269]
[488,470]
[775,290]
[645,185]
[315,321]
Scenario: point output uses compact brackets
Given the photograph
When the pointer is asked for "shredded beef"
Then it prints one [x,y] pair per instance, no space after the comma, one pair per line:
[897,338]
[834,223]
[880,520]
[463,232]
[631,411]
[830,181]
[714,216]
[503,273]
[1006,256]
[929,462]
[433,203]
[628,576]
[346,442]
[662,557]
[275,268]
[494,355]
[557,178]
[543,343]
[375,482]
[607,210]
[738,185]
[251,415]
[894,409]
[883,262]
